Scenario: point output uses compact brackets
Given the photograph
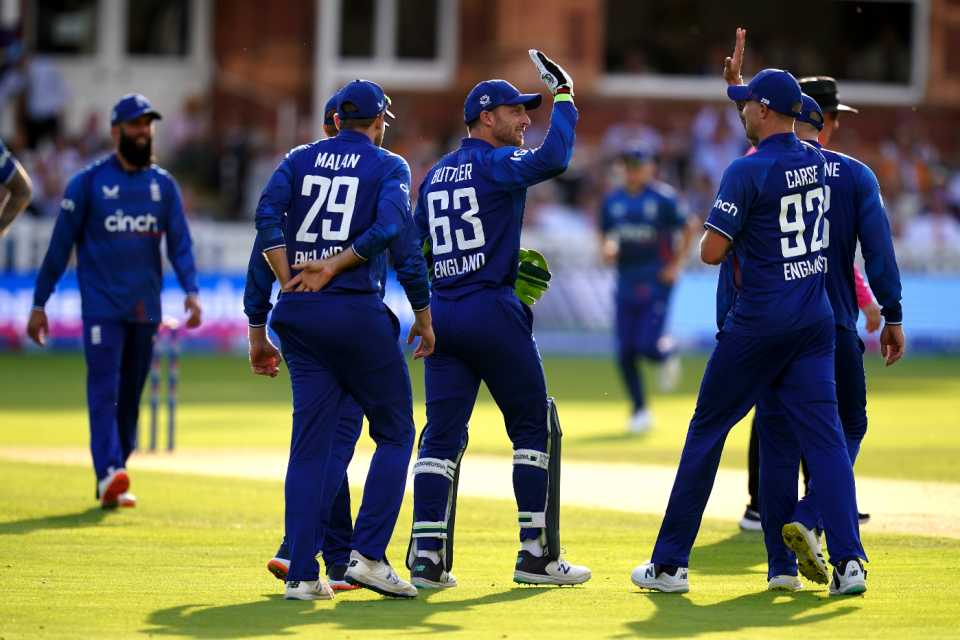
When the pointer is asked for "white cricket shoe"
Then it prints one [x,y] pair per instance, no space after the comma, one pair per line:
[670,371]
[645,576]
[126,500]
[377,576]
[641,422]
[849,579]
[308,590]
[784,583]
[805,544]
[531,569]
[110,488]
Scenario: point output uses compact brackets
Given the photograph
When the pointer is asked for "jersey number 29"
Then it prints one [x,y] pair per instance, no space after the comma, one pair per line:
[815,200]
[330,194]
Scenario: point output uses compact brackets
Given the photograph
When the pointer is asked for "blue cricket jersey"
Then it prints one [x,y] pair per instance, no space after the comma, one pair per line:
[770,205]
[471,203]
[116,218]
[337,194]
[7,165]
[854,211]
[644,225]
[405,254]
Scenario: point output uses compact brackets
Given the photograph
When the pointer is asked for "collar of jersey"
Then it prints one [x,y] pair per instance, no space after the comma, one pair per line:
[815,143]
[475,142]
[778,138]
[349,135]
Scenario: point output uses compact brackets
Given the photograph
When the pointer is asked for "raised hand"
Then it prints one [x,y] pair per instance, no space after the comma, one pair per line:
[552,74]
[733,65]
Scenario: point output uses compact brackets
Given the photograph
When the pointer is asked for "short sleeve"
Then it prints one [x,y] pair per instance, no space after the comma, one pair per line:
[736,193]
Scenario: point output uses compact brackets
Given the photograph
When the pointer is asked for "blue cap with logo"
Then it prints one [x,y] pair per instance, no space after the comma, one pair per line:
[775,88]
[810,112]
[330,109]
[639,155]
[363,99]
[490,94]
[132,106]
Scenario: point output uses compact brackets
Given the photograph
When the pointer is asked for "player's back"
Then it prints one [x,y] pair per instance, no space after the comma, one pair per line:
[472,220]
[770,204]
[844,189]
[335,187]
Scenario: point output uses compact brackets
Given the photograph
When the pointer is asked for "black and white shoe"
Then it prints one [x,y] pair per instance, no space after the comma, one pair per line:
[751,520]
[864,518]
[531,569]
[849,578]
[661,578]
[427,574]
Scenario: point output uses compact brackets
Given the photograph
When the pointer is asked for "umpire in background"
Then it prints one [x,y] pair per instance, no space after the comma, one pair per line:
[116,211]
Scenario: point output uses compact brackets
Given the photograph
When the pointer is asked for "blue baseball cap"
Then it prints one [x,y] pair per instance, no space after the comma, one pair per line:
[132,106]
[810,112]
[367,99]
[490,94]
[639,155]
[775,88]
[330,109]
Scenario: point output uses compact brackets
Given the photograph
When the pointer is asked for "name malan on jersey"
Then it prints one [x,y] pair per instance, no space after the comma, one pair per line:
[336,161]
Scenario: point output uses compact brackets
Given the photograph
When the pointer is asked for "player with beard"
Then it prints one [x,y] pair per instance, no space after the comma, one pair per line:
[116,211]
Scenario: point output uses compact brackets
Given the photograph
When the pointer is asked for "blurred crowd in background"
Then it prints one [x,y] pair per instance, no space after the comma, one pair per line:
[222,169]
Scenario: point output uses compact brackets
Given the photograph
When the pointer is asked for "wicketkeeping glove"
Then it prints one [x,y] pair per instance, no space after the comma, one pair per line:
[533,276]
[557,80]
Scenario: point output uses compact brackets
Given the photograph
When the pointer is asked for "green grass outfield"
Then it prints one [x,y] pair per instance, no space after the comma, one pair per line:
[914,410]
[189,562]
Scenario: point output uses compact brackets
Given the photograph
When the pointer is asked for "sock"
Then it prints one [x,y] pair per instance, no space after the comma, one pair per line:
[668,569]
[433,556]
[533,547]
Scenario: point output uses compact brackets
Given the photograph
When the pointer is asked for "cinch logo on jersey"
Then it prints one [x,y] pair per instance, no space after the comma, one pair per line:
[636,233]
[726,207]
[458,266]
[305,256]
[120,222]
[804,268]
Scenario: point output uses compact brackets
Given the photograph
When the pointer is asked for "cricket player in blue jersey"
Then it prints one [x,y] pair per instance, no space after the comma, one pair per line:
[116,211]
[265,360]
[470,210]
[16,189]
[330,211]
[853,211]
[777,338]
[639,223]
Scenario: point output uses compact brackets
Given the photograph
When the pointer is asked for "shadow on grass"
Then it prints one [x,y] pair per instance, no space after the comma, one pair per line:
[743,552]
[87,518]
[677,617]
[275,616]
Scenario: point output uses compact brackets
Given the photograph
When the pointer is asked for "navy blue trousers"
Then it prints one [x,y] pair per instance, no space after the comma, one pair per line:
[640,320]
[339,345]
[118,361]
[484,336]
[797,368]
[780,454]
